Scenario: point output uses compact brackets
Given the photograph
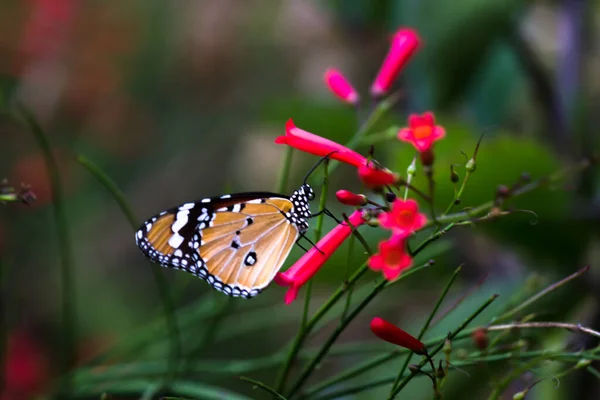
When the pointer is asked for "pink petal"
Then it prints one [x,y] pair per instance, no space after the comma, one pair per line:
[438,132]
[405,134]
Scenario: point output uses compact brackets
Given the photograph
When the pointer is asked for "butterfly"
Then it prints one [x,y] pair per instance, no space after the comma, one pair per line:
[236,242]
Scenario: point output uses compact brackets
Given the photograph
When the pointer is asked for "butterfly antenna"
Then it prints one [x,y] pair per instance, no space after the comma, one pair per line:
[314,167]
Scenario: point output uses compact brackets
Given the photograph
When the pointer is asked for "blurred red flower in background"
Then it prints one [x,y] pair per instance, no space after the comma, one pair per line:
[340,86]
[26,367]
[404,43]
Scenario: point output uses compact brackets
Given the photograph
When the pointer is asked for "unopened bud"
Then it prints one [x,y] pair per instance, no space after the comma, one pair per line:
[520,395]
[453,175]
[583,363]
[480,338]
[471,165]
[412,168]
[351,199]
[502,191]
[414,368]
[447,349]
[439,372]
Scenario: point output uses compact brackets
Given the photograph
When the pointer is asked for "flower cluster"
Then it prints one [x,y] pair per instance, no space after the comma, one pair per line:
[401,217]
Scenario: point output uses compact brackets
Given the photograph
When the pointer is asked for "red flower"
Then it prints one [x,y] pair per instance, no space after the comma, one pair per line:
[392,334]
[421,131]
[340,86]
[310,263]
[350,199]
[375,177]
[404,43]
[392,258]
[26,367]
[404,217]
[313,144]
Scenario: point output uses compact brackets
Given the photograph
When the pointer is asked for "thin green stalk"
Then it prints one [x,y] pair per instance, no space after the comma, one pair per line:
[69,296]
[112,188]
[284,173]
[318,233]
[299,339]
[350,373]
[426,325]
[159,279]
[346,275]
[511,376]
[343,324]
[304,322]
[458,195]
[556,356]
[451,336]
[593,371]
[539,295]
[264,387]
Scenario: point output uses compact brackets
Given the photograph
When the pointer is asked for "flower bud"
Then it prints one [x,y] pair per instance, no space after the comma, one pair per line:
[351,199]
[454,178]
[471,165]
[391,333]
[480,338]
[447,349]
[520,395]
[412,168]
[404,43]
[340,86]
[583,363]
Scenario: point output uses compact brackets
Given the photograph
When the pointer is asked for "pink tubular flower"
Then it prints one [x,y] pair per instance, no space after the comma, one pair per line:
[392,334]
[392,258]
[310,263]
[404,43]
[404,217]
[340,86]
[350,199]
[374,177]
[313,144]
[422,131]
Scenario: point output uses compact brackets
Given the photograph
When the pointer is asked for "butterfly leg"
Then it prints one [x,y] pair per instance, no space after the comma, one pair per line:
[309,241]
[328,213]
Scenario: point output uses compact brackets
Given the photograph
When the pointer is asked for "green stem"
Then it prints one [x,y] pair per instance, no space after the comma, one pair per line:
[511,376]
[346,274]
[69,296]
[458,195]
[439,347]
[264,387]
[318,233]
[539,295]
[284,173]
[343,324]
[159,279]
[426,326]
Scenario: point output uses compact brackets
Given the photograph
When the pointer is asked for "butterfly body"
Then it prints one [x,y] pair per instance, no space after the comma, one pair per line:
[237,242]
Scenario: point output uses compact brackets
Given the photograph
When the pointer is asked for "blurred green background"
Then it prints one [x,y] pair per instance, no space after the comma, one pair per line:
[179,100]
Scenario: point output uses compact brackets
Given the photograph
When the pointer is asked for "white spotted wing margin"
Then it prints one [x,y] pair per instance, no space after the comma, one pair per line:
[237,242]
